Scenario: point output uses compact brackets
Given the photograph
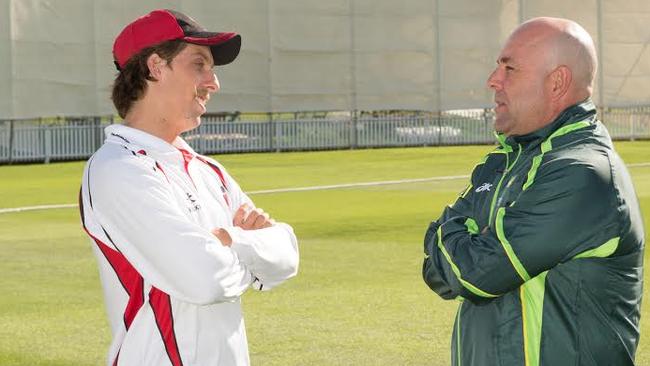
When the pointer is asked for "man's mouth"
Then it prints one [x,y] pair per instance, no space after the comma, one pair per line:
[202,96]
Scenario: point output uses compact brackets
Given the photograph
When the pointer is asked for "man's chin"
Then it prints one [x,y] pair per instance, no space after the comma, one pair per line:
[501,125]
[196,121]
[192,123]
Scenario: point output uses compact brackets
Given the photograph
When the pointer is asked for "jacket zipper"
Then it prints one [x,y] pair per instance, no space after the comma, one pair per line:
[505,173]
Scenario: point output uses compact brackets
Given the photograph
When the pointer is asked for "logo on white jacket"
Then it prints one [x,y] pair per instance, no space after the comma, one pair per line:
[484,187]
[193,206]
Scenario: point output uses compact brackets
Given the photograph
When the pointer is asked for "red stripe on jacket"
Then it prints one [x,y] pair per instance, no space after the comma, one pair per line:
[215,168]
[162,310]
[128,276]
[130,279]
[187,157]
[133,284]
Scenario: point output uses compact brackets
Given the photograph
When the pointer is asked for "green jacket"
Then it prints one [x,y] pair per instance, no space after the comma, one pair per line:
[544,250]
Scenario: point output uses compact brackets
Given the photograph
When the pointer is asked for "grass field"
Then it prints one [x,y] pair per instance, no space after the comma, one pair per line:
[358,299]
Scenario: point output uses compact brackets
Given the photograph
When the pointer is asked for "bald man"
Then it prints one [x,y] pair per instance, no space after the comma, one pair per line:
[544,248]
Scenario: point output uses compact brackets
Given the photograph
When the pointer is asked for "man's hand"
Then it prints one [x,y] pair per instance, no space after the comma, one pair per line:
[252,219]
[223,236]
[247,219]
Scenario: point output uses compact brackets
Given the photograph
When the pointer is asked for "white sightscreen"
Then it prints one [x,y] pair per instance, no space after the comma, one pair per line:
[55,55]
[394,58]
[6,81]
[626,52]
[470,34]
[621,31]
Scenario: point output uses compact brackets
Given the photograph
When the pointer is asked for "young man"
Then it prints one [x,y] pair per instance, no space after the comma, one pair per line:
[176,239]
[545,246]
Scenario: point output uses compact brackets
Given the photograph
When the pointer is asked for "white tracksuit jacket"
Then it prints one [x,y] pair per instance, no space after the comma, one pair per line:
[171,288]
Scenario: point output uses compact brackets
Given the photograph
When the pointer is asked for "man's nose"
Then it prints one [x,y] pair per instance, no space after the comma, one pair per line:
[495,80]
[212,83]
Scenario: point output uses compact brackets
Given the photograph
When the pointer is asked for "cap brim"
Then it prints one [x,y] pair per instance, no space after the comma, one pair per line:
[224,46]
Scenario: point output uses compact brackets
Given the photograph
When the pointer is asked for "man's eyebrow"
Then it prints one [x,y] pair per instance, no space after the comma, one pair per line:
[504,60]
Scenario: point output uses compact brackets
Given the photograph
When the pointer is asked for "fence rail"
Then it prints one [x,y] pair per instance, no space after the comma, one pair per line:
[42,140]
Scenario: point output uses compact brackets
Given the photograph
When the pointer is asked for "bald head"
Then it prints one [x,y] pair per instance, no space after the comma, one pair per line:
[546,66]
[563,42]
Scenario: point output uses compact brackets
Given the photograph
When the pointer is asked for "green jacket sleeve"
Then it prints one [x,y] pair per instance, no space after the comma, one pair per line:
[439,281]
[568,210]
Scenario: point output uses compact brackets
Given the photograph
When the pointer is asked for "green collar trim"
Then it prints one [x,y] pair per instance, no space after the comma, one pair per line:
[585,110]
[547,146]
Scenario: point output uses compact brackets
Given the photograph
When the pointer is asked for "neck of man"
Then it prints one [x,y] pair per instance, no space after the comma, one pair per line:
[154,118]
[561,105]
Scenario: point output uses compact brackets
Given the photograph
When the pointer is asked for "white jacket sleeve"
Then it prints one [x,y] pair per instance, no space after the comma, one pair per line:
[136,207]
[271,254]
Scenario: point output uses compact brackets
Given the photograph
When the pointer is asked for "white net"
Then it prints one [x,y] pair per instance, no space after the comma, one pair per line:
[55,56]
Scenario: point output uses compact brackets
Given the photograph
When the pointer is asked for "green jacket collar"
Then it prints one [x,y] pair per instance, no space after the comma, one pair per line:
[575,113]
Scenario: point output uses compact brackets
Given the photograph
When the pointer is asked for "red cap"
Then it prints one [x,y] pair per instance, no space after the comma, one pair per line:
[166,25]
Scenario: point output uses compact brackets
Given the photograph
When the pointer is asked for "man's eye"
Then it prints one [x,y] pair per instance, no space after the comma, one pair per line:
[509,68]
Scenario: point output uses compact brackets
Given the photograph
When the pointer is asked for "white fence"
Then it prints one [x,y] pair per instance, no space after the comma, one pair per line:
[77,138]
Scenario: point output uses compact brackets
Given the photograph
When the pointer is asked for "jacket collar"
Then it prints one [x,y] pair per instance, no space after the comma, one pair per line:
[138,139]
[575,113]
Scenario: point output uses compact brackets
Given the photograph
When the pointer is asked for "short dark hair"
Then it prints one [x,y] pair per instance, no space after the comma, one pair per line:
[131,81]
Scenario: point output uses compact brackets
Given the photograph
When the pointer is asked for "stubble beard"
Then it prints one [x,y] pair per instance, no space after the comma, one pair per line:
[501,122]
[193,118]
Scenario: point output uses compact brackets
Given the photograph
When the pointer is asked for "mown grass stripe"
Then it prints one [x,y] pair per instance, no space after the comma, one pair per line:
[269,191]
[294,189]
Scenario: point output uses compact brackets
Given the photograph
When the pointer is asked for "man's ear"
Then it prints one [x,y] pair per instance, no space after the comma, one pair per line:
[155,64]
[560,81]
